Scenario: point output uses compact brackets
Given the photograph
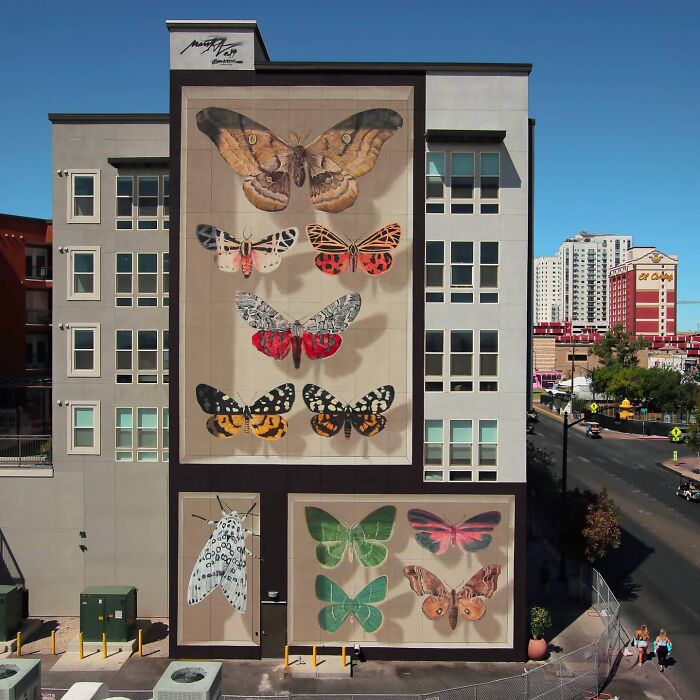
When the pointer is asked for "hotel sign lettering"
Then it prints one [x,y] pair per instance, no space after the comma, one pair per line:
[664,276]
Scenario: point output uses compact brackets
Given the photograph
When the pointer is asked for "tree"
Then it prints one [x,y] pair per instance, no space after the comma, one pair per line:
[617,348]
[602,530]
[694,434]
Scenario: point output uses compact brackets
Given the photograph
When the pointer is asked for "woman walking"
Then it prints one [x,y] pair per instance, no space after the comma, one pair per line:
[662,647]
[641,641]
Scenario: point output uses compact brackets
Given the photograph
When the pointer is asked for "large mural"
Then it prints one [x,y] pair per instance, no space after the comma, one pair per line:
[296,276]
[401,570]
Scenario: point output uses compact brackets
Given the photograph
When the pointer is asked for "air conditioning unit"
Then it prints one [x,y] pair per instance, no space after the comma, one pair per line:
[193,680]
[87,691]
[20,679]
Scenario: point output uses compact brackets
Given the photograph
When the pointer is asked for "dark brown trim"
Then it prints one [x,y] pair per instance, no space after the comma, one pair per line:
[530,253]
[398,67]
[464,136]
[141,162]
[108,118]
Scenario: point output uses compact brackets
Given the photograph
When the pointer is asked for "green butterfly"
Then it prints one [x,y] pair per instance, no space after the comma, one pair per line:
[331,617]
[335,538]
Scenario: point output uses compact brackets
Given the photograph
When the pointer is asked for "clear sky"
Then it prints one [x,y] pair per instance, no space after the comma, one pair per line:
[615,90]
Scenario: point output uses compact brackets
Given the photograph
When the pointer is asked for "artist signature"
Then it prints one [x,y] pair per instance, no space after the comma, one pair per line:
[218,46]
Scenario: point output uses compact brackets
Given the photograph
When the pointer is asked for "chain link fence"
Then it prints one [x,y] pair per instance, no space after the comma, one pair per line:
[578,675]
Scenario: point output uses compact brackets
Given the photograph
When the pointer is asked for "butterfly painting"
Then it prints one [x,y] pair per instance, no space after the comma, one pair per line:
[364,415]
[318,337]
[263,417]
[222,561]
[232,253]
[365,538]
[371,253]
[442,601]
[268,164]
[342,606]
[436,534]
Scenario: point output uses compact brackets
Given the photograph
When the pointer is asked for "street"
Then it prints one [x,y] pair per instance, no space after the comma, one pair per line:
[656,571]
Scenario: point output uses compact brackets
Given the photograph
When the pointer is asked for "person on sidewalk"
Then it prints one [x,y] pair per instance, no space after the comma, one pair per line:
[641,641]
[662,648]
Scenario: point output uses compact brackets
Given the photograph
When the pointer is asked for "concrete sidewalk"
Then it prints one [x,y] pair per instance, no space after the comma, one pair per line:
[688,467]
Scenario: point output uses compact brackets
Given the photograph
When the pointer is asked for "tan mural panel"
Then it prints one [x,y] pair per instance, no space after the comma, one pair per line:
[219,572]
[401,570]
[296,244]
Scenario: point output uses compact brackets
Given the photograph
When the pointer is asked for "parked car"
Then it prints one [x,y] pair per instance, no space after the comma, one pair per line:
[683,437]
[688,490]
[532,415]
[594,430]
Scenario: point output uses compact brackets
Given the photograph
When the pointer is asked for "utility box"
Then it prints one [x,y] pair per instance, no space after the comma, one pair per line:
[108,609]
[11,610]
[20,679]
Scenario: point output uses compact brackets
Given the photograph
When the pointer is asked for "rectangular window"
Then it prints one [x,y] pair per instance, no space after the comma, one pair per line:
[84,273]
[166,434]
[147,209]
[434,350]
[83,197]
[462,183]
[435,183]
[147,434]
[147,279]
[432,450]
[124,361]
[166,202]
[124,435]
[125,202]
[84,350]
[37,262]
[166,357]
[460,450]
[488,360]
[37,350]
[124,280]
[165,277]
[461,360]
[489,182]
[434,271]
[461,264]
[84,428]
[147,353]
[488,444]
[488,264]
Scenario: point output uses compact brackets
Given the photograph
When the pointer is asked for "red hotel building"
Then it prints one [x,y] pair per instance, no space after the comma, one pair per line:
[643,293]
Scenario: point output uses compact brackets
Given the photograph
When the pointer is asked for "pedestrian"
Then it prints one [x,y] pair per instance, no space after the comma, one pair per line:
[641,641]
[662,648]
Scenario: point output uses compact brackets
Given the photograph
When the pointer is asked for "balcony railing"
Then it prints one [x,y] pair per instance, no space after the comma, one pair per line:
[38,272]
[25,451]
[40,317]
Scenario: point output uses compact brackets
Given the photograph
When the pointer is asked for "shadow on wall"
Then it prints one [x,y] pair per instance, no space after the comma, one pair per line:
[10,573]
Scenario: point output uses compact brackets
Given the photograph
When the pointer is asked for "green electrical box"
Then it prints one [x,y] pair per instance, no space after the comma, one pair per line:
[11,604]
[108,609]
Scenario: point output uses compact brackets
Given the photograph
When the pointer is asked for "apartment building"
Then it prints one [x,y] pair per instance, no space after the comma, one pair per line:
[548,289]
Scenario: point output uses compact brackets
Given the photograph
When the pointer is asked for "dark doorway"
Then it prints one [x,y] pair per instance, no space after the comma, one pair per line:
[273,629]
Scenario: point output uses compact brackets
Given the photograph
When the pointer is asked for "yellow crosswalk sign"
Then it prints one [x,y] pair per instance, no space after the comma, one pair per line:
[594,407]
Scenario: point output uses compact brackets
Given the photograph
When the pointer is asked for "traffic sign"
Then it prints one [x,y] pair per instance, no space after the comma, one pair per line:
[644,410]
[676,433]
[594,407]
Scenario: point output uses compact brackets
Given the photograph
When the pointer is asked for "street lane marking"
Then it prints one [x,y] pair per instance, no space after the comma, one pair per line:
[584,459]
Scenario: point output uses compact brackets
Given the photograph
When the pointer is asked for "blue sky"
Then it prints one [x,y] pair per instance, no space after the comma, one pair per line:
[615,90]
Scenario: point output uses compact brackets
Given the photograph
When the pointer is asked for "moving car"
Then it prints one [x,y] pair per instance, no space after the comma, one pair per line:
[594,430]
[688,490]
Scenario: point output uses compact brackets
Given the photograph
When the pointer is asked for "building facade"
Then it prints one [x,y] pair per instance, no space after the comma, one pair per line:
[352,477]
[548,289]
[643,296]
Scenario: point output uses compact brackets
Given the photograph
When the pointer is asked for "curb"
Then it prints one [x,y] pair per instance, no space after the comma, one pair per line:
[676,471]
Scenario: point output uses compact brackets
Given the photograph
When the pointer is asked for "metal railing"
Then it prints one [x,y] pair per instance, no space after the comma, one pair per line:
[25,450]
[39,316]
[38,272]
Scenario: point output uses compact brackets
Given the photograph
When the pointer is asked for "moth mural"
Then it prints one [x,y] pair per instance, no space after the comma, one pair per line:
[365,539]
[267,163]
[318,337]
[263,417]
[243,253]
[222,561]
[364,415]
[342,606]
[464,603]
[437,535]
[372,254]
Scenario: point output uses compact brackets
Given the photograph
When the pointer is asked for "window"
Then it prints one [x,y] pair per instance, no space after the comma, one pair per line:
[432,450]
[37,349]
[434,348]
[143,202]
[488,360]
[460,450]
[124,435]
[147,353]
[462,183]
[435,183]
[124,283]
[166,434]
[488,271]
[165,287]
[166,201]
[166,357]
[125,202]
[84,350]
[434,271]
[461,360]
[488,448]
[147,435]
[147,279]
[84,273]
[461,264]
[489,182]
[84,428]
[37,263]
[147,212]
[124,361]
[83,197]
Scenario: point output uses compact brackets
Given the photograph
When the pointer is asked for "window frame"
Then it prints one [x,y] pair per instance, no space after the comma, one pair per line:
[117,448]
[147,450]
[138,294]
[137,222]
[479,464]
[156,352]
[455,378]
[94,449]
[71,217]
[433,378]
[71,370]
[84,296]
[431,288]
[456,467]
[434,467]
[120,371]
[489,378]
[123,295]
[489,201]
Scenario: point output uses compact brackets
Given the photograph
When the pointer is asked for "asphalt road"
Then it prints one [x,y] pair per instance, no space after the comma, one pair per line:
[656,571]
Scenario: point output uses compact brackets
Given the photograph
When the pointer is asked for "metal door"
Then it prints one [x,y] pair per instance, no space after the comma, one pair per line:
[273,629]
[115,622]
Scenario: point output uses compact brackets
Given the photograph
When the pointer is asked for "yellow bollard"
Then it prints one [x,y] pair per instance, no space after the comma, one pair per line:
[313,656]
[343,658]
[286,655]
[53,643]
[80,644]
[140,642]
[104,645]
[19,644]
